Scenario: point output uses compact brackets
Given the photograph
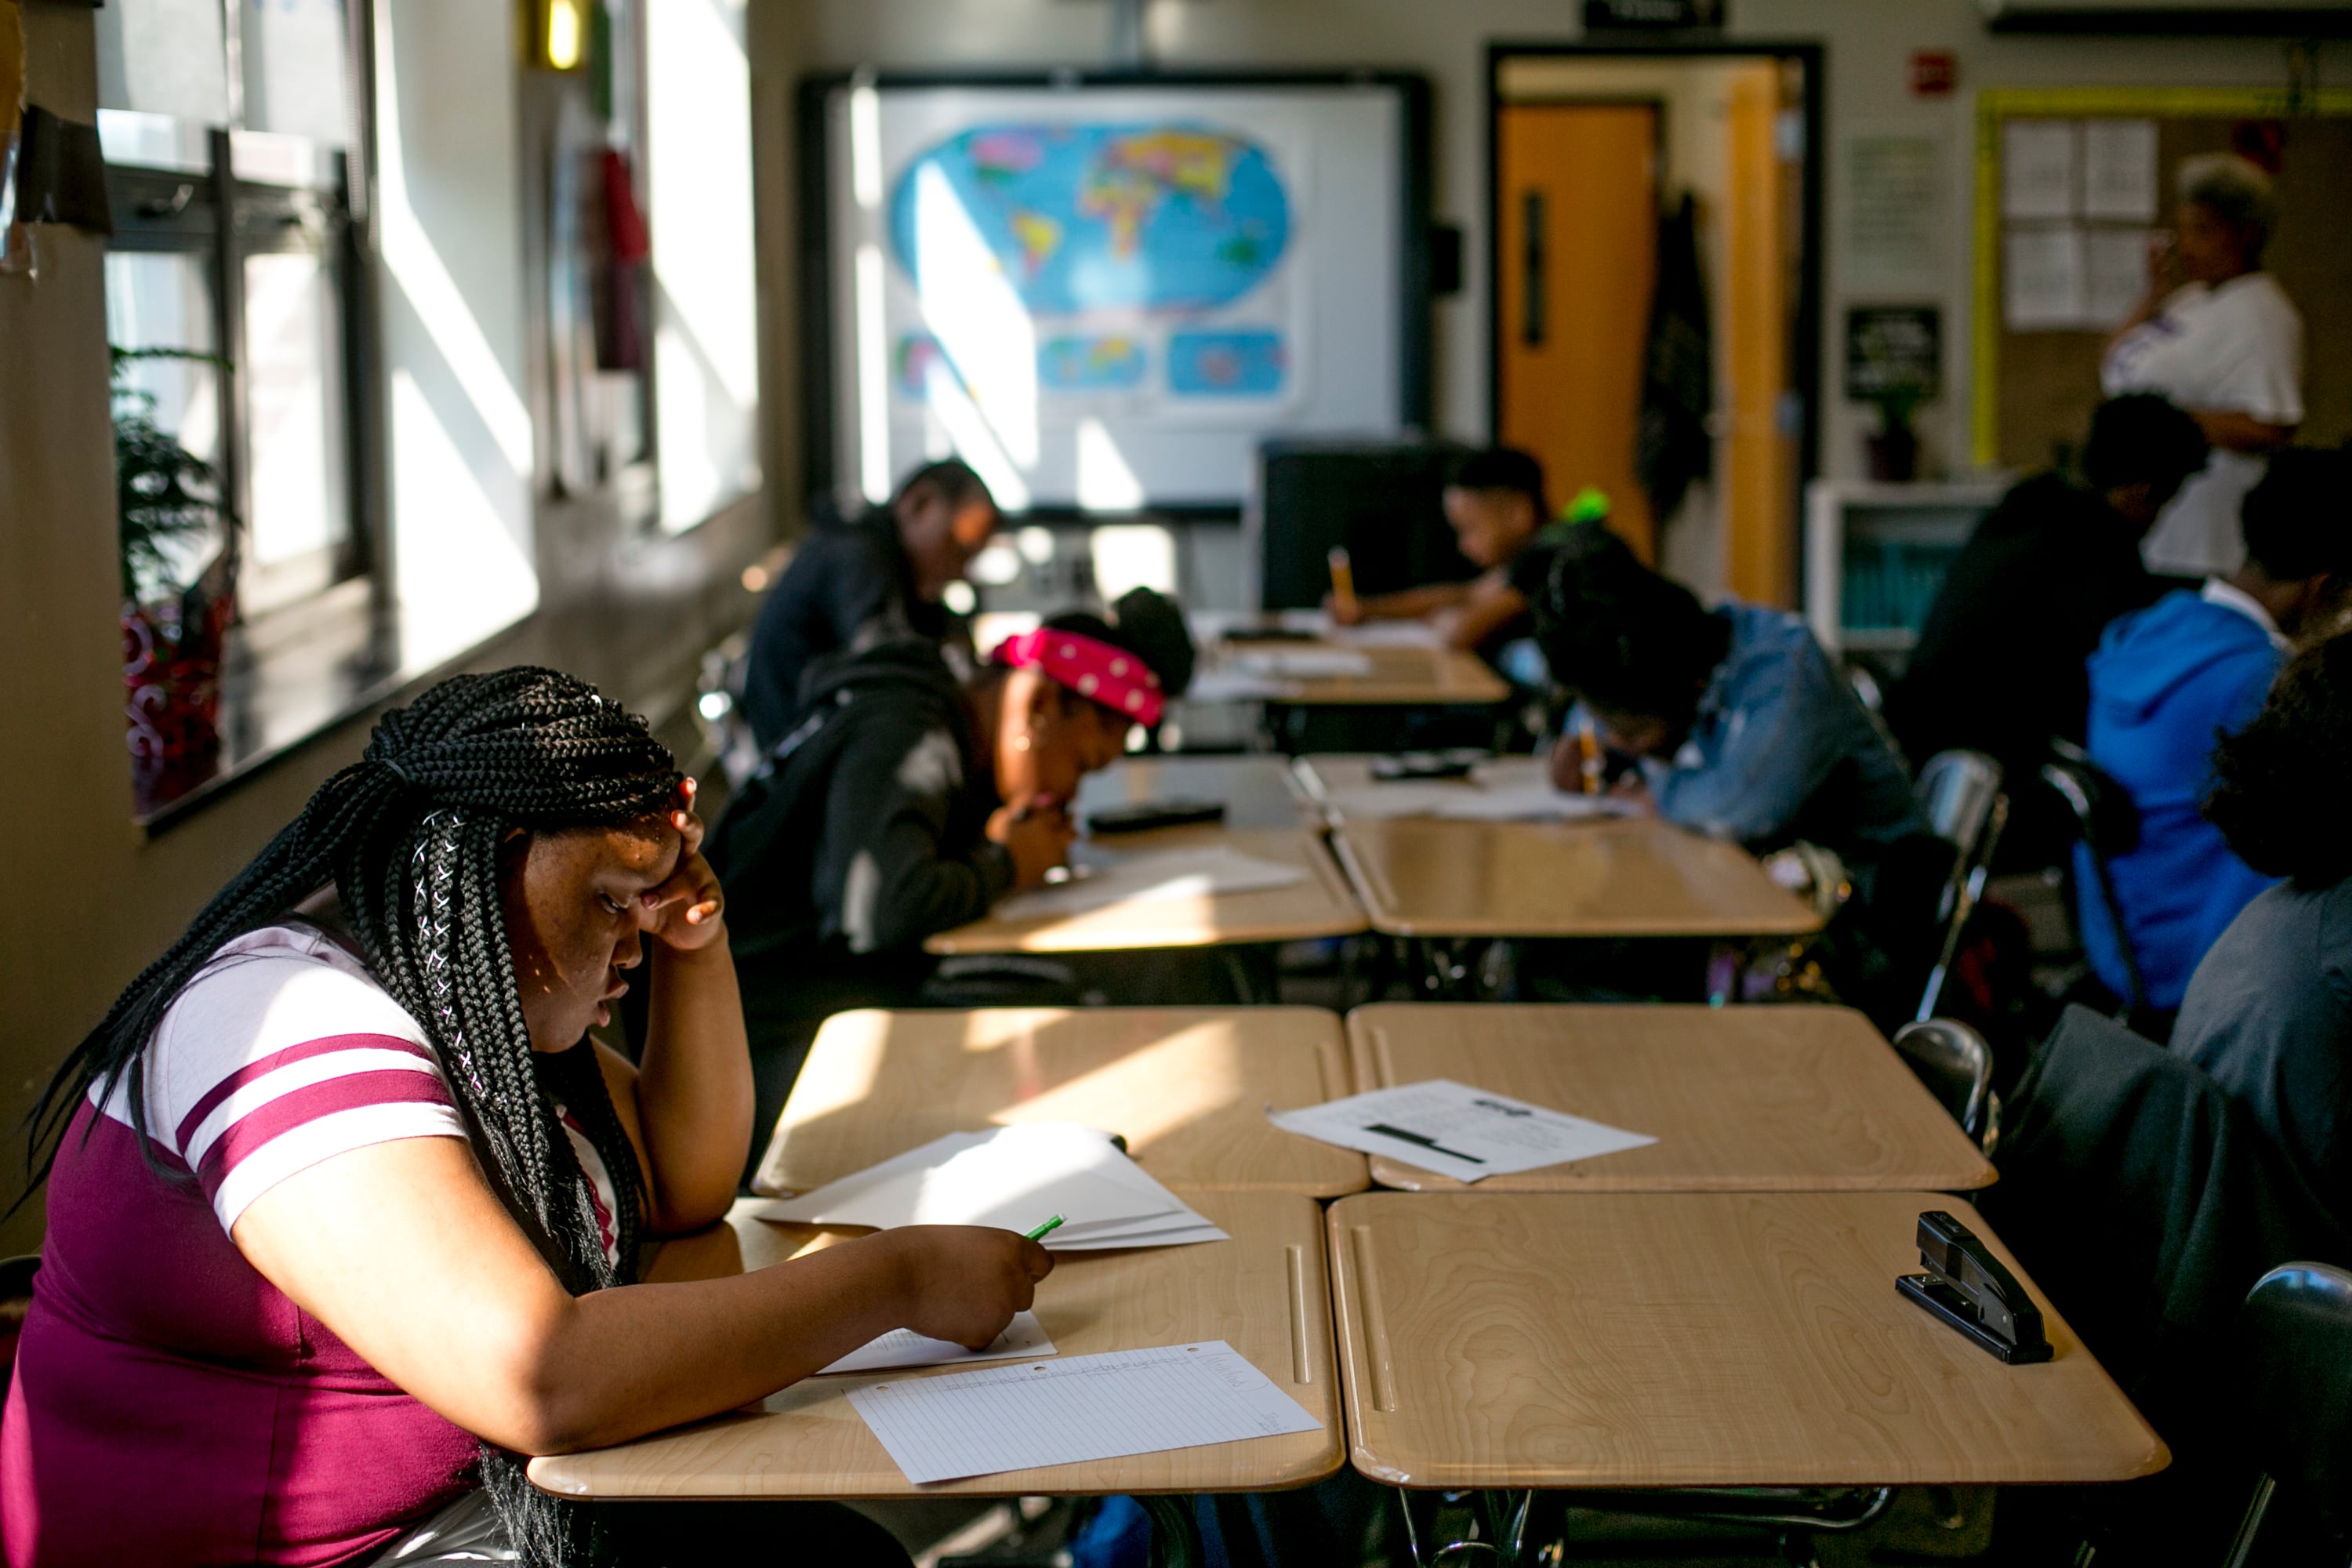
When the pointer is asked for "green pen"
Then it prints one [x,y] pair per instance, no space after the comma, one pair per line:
[1039,1234]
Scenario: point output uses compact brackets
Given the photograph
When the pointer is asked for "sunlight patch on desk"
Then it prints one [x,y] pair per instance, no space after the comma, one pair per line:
[1131,1096]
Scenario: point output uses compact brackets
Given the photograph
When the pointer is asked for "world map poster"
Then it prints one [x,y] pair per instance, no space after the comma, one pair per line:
[1107,296]
[1148,257]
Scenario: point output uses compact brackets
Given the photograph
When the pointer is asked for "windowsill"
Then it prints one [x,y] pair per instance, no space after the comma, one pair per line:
[296,673]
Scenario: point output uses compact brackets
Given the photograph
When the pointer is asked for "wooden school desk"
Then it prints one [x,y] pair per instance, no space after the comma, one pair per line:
[1263,1292]
[1257,791]
[1321,906]
[1739,1099]
[1509,1339]
[1187,1087]
[1402,667]
[1400,677]
[1419,877]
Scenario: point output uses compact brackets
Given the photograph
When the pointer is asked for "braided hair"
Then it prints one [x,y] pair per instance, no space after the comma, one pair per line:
[410,837]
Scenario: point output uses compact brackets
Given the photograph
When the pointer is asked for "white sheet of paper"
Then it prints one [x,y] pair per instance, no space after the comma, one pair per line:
[2114,275]
[2119,178]
[2041,279]
[1190,1235]
[1013,1178]
[1075,1409]
[1139,879]
[2037,168]
[1456,1130]
[1895,230]
[1389,634]
[1022,1336]
[1305,662]
[1458,803]
[1221,684]
[1510,789]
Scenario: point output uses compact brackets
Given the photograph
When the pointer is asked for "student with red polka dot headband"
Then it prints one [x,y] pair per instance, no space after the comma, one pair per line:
[908,802]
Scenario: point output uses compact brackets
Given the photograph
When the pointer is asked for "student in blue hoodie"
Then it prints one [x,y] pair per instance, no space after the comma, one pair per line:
[2168,682]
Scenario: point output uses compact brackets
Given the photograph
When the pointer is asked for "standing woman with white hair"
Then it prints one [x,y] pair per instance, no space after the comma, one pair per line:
[2217,335]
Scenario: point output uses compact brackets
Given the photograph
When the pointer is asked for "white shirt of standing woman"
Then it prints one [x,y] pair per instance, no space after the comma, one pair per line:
[2236,348]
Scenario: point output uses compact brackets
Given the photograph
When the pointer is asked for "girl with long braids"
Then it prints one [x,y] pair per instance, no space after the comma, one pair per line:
[344,1206]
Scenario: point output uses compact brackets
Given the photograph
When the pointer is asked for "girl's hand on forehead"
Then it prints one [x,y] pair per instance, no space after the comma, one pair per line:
[683,910]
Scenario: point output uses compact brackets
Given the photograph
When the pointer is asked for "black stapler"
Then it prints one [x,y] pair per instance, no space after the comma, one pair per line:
[1968,1287]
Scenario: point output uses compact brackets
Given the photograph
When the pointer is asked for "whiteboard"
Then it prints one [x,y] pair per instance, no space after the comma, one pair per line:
[1104,296]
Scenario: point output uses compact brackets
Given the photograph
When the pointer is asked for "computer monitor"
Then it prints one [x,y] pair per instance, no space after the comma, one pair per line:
[1382,499]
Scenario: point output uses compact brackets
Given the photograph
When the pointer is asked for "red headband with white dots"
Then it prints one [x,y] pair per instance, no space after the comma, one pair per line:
[1089,667]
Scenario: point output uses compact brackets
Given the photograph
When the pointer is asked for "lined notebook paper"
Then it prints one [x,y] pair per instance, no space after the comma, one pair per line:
[1069,1411]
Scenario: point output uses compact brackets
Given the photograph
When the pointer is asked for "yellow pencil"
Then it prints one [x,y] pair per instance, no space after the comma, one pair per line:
[1588,746]
[1343,580]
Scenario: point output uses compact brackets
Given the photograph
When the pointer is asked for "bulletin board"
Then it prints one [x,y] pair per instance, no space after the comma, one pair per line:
[2037,348]
[1104,292]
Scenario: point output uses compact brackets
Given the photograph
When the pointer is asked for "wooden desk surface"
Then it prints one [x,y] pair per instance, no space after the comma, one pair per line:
[1691,1339]
[1323,777]
[1323,905]
[1626,877]
[1400,677]
[1265,1292]
[1258,791]
[1739,1099]
[1188,1087]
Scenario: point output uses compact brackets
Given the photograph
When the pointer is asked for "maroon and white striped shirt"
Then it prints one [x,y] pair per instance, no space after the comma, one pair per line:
[155,1355]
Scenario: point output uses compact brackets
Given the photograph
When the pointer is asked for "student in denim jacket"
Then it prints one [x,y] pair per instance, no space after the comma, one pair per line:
[1731,722]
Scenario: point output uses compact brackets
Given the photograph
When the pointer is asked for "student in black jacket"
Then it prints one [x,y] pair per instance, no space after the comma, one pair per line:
[1999,666]
[906,803]
[892,566]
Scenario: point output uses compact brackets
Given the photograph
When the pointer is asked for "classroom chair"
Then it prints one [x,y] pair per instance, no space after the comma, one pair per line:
[1694,1523]
[2296,1329]
[2143,1198]
[1960,794]
[2108,825]
[1956,1064]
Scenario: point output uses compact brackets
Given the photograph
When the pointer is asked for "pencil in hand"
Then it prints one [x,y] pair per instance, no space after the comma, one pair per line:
[1589,766]
[1343,583]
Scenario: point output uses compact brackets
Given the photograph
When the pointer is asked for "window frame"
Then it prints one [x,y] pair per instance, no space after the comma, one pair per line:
[227,219]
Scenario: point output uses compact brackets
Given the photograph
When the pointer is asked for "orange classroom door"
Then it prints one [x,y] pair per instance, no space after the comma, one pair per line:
[1577,254]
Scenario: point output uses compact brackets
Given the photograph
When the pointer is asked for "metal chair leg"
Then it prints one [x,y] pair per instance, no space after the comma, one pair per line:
[1500,1520]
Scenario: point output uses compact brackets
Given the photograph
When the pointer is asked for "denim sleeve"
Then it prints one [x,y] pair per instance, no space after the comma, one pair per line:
[1778,742]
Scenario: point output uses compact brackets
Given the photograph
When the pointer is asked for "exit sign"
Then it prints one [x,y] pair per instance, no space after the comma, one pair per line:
[1653,15]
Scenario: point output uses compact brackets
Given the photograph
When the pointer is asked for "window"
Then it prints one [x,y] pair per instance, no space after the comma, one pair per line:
[252,272]
[236,264]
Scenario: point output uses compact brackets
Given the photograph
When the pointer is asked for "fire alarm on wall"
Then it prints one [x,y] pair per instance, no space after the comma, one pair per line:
[1934,72]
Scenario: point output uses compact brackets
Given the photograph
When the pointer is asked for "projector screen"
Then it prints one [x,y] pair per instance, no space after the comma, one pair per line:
[1103,294]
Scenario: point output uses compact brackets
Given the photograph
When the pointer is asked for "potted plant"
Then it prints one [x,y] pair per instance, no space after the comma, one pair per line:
[177,602]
